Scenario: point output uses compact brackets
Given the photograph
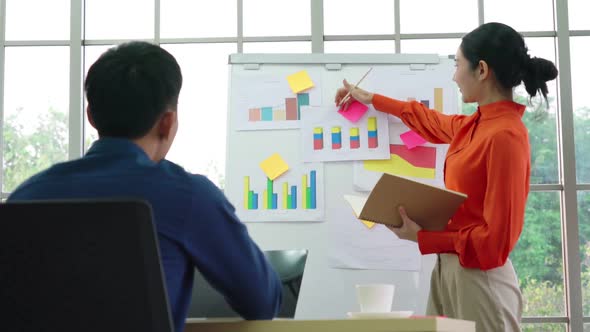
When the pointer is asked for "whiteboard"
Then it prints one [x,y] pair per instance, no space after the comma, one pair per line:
[327,290]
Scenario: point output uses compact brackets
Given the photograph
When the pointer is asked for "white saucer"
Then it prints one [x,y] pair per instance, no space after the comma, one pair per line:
[379,315]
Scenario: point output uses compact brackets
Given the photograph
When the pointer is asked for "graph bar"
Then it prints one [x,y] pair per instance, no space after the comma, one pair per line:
[411,99]
[308,196]
[269,193]
[250,200]
[265,200]
[254,201]
[279,115]
[266,113]
[303,191]
[291,106]
[254,114]
[275,201]
[289,202]
[318,138]
[372,132]
[302,100]
[336,138]
[438,99]
[293,197]
[355,139]
[313,189]
[286,204]
[247,192]
[426,103]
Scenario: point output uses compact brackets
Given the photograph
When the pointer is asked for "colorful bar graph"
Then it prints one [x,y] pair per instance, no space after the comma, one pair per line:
[372,132]
[291,111]
[266,113]
[287,197]
[336,138]
[293,197]
[254,114]
[355,139]
[291,106]
[318,138]
[438,99]
[302,100]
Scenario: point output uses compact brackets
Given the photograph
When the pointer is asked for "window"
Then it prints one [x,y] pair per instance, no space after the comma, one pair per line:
[350,17]
[36,105]
[37,20]
[277,18]
[193,19]
[199,146]
[423,16]
[522,15]
[438,46]
[360,46]
[112,19]
[580,48]
[277,47]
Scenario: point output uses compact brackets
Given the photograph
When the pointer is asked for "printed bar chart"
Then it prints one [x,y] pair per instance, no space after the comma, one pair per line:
[355,139]
[291,110]
[336,138]
[288,195]
[438,99]
[372,132]
[318,138]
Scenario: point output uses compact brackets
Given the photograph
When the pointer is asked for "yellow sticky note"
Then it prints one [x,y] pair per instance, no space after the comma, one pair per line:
[274,166]
[369,224]
[300,81]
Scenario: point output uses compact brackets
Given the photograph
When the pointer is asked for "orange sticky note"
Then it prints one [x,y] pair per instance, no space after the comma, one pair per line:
[300,81]
[274,166]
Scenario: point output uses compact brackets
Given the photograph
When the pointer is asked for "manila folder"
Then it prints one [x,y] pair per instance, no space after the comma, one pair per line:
[429,206]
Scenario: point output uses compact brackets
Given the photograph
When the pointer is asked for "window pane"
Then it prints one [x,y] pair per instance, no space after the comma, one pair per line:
[578,14]
[348,17]
[113,19]
[438,46]
[537,257]
[540,327]
[360,46]
[584,229]
[37,20]
[580,48]
[199,146]
[540,120]
[36,106]
[538,14]
[428,16]
[189,18]
[277,18]
[278,47]
[91,54]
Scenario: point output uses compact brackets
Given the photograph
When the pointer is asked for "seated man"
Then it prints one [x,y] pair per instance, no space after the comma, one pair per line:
[132,93]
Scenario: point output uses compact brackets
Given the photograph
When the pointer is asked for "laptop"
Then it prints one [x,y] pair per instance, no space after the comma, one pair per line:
[289,264]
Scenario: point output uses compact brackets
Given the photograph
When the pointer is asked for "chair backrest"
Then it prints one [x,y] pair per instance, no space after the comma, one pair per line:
[289,265]
[81,266]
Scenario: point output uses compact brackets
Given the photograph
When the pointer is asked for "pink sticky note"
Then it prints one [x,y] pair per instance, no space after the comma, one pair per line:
[411,139]
[354,112]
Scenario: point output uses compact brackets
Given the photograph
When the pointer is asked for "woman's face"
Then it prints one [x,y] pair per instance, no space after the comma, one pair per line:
[465,78]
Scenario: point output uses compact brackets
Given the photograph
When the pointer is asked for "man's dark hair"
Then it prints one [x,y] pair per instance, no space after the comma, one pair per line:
[129,88]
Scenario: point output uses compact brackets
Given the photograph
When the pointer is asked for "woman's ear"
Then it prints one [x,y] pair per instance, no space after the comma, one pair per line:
[482,70]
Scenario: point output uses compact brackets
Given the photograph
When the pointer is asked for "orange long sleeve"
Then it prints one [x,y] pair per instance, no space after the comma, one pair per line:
[489,160]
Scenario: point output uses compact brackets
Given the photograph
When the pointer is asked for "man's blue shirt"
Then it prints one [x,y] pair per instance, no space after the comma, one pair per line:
[196,225]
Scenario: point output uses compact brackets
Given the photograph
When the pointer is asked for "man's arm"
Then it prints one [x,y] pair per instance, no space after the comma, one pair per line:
[227,256]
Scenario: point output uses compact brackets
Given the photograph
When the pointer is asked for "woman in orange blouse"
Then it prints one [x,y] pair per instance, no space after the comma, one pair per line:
[489,160]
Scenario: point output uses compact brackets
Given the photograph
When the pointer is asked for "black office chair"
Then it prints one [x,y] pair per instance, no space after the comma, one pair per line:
[289,265]
[80,266]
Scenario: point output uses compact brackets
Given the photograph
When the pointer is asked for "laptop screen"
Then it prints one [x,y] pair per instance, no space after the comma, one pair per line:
[289,265]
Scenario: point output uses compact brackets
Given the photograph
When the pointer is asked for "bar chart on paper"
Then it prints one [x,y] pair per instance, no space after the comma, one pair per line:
[289,196]
[437,97]
[328,136]
[289,111]
[297,195]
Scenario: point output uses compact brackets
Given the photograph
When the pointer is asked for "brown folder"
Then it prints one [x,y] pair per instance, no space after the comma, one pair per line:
[429,206]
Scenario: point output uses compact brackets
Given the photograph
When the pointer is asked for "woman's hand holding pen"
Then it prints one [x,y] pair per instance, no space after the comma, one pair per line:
[409,230]
[359,94]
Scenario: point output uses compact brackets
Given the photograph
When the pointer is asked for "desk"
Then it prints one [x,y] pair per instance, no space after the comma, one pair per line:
[425,324]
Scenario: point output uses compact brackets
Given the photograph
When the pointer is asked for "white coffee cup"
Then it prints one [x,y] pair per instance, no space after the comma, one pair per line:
[375,297]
